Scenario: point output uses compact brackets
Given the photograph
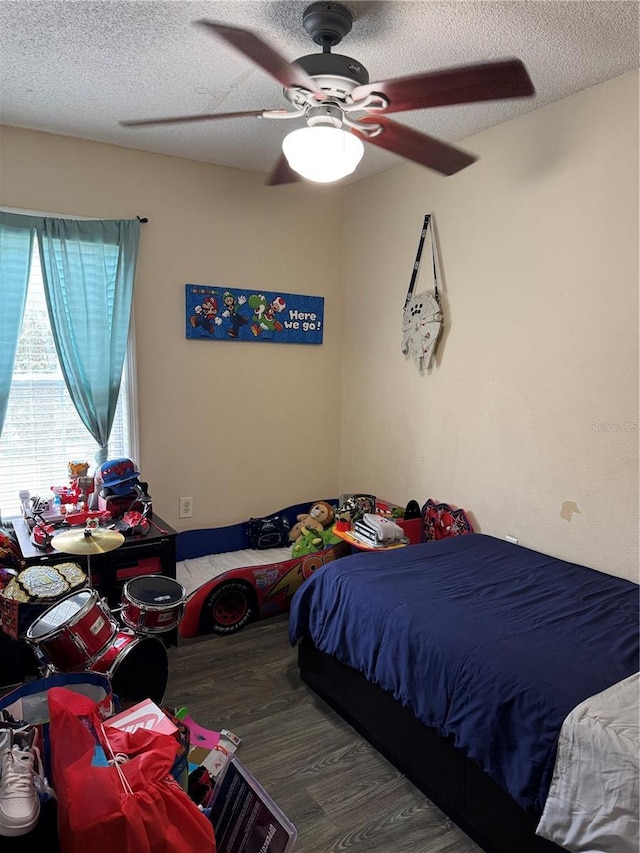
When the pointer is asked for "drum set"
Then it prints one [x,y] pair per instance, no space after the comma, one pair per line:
[80,632]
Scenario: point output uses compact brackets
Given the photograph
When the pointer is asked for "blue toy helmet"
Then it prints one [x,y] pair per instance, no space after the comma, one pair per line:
[119,475]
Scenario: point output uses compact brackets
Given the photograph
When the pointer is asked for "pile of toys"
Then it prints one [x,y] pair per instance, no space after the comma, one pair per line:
[115,493]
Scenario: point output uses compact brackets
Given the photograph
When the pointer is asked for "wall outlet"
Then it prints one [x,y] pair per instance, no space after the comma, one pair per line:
[512,539]
[185,509]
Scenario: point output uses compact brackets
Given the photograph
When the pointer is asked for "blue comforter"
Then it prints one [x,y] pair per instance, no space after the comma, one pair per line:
[489,643]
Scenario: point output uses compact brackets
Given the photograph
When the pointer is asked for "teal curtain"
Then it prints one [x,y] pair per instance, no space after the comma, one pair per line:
[16,243]
[88,269]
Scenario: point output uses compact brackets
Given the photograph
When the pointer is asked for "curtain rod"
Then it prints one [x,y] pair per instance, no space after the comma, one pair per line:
[23,212]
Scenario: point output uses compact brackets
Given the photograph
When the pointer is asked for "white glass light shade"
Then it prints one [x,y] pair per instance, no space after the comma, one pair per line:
[322,154]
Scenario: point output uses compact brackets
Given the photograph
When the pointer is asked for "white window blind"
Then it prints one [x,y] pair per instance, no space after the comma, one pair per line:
[42,431]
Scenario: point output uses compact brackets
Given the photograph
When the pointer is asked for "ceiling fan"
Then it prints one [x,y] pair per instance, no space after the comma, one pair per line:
[341,108]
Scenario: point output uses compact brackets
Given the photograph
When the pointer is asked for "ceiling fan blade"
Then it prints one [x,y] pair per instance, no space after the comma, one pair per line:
[487,81]
[417,146]
[258,51]
[204,117]
[282,173]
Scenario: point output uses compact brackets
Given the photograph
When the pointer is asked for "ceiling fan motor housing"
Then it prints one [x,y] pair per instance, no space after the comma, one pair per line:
[334,72]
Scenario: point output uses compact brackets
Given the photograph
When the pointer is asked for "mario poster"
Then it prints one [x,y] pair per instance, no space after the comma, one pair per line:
[230,314]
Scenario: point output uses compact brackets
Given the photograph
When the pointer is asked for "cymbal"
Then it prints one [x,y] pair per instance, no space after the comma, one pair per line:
[81,541]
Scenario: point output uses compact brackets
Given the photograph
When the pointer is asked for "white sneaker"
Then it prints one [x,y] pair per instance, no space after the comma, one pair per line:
[19,800]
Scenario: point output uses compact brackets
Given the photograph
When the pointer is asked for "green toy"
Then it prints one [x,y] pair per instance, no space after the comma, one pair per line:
[311,541]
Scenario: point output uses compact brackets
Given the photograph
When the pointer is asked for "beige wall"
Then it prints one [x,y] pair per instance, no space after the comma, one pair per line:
[244,428]
[531,405]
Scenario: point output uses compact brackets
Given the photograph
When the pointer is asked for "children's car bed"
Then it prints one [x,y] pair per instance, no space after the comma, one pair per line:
[464,661]
[229,583]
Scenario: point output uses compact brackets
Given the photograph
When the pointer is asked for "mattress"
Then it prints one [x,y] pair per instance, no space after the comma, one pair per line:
[193,573]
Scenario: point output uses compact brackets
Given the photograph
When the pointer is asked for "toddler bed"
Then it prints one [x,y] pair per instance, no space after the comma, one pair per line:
[229,583]
[467,661]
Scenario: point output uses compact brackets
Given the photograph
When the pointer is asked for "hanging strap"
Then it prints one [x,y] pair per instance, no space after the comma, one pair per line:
[416,266]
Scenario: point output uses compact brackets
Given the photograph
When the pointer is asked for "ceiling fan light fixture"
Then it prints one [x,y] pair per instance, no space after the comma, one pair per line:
[322,154]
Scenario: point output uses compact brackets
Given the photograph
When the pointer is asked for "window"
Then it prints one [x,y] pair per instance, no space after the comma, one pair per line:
[42,430]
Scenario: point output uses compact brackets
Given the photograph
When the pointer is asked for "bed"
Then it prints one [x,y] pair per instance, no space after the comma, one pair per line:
[464,661]
[229,584]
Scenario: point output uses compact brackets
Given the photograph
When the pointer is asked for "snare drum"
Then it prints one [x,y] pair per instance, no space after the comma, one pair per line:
[152,604]
[138,667]
[74,632]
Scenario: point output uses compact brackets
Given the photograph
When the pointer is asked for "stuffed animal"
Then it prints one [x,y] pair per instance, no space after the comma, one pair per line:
[308,542]
[321,515]
[311,540]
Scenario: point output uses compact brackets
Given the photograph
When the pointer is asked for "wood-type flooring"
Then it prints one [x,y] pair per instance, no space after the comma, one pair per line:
[337,790]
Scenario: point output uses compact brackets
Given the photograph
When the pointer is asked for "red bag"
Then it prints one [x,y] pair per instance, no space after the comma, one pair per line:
[134,807]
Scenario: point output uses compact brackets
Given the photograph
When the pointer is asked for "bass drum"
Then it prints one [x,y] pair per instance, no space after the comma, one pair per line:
[138,668]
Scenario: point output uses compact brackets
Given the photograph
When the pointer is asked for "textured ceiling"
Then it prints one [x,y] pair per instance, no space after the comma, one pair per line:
[78,67]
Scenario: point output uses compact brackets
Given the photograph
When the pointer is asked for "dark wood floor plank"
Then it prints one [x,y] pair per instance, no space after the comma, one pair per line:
[342,795]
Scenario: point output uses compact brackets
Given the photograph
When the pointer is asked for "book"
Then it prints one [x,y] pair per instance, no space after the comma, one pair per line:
[373,545]
[245,819]
[365,535]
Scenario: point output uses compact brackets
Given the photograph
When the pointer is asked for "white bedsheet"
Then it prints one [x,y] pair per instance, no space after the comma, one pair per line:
[197,571]
[593,803]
